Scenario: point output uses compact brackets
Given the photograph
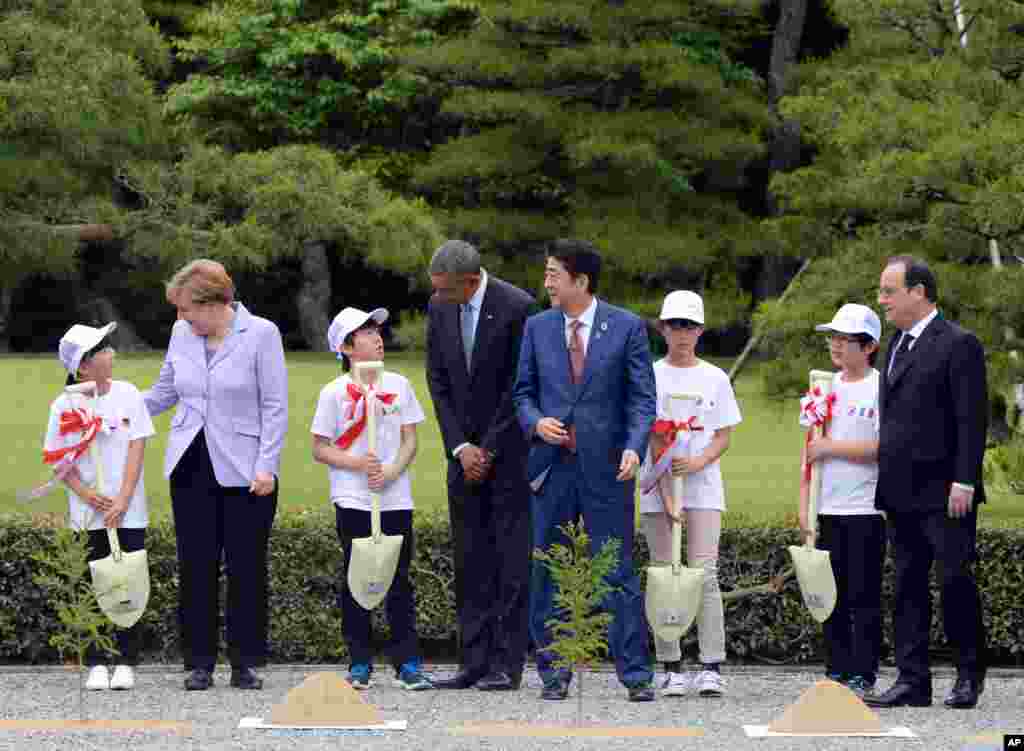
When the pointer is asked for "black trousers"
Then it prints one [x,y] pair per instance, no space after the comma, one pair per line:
[127,640]
[853,633]
[492,539]
[918,539]
[400,602]
[210,520]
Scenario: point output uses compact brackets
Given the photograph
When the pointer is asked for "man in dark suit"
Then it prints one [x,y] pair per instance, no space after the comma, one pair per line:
[585,395]
[934,418]
[473,337]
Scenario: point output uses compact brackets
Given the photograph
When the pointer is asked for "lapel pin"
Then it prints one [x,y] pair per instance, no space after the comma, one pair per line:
[604,325]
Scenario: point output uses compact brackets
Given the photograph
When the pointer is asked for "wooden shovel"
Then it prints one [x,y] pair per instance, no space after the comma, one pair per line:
[121,580]
[814,567]
[374,559]
[674,592]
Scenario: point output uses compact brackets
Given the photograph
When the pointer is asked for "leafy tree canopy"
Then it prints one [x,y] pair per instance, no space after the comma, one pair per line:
[917,128]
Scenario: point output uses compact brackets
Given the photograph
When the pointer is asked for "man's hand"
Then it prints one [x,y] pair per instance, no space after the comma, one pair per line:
[552,431]
[628,466]
[960,502]
[115,514]
[819,448]
[476,463]
[686,465]
[262,484]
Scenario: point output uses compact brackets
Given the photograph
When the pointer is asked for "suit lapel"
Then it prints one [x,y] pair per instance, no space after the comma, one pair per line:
[232,341]
[195,347]
[598,343]
[485,325]
[920,348]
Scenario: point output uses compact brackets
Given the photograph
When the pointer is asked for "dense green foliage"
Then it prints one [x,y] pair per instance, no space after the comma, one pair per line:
[628,124]
[76,104]
[918,151]
[305,561]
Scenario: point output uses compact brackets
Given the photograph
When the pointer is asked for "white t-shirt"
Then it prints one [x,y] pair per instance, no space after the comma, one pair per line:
[847,487]
[717,409]
[125,419]
[351,489]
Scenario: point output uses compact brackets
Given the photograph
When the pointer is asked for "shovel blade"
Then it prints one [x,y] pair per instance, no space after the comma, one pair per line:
[673,599]
[817,582]
[122,586]
[372,567]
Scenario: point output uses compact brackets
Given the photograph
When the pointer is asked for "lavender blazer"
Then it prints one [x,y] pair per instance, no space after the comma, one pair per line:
[240,398]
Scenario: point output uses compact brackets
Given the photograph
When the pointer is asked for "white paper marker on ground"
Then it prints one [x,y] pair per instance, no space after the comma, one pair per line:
[257,723]
[762,731]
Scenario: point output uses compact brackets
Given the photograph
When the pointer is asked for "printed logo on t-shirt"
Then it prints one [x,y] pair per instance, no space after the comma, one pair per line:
[866,411]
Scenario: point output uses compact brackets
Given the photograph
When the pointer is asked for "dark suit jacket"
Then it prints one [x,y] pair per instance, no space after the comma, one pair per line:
[613,408]
[934,420]
[476,406]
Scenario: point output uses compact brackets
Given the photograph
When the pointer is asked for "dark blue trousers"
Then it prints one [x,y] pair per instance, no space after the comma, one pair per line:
[562,499]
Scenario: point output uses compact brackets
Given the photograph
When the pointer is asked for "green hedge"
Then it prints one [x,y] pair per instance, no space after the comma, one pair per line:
[305,624]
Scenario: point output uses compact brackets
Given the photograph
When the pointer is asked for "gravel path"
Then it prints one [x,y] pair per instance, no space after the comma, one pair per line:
[755,696]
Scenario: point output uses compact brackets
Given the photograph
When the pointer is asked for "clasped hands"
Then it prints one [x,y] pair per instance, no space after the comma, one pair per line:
[113,509]
[378,475]
[476,463]
[553,431]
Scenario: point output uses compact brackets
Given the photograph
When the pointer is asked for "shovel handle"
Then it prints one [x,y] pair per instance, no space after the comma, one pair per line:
[678,485]
[371,426]
[818,379]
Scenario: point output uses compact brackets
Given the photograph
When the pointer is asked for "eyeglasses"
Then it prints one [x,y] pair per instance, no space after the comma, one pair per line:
[681,324]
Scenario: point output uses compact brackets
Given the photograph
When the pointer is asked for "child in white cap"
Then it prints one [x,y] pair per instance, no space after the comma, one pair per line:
[340,440]
[120,426]
[689,445]
[849,526]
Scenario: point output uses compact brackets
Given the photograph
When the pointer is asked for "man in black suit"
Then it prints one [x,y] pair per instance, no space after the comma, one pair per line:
[473,337]
[934,418]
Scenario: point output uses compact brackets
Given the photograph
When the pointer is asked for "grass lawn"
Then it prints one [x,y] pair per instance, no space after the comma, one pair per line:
[760,469]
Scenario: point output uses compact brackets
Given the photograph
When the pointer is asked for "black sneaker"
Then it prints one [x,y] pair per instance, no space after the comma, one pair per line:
[641,692]
[199,679]
[244,678]
[556,688]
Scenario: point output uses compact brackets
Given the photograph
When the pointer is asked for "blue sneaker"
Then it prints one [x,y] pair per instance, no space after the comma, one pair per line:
[860,685]
[837,677]
[359,676]
[411,678]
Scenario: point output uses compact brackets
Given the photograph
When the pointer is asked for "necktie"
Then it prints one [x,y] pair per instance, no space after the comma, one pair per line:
[577,356]
[468,332]
[901,351]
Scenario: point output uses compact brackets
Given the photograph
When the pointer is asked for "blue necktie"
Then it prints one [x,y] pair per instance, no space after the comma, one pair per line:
[468,332]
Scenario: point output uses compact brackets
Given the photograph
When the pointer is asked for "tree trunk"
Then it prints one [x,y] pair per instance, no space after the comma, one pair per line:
[6,300]
[314,296]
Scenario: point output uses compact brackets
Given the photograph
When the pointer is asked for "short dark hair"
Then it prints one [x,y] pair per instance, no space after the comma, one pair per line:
[103,343]
[915,272]
[578,257]
[864,340]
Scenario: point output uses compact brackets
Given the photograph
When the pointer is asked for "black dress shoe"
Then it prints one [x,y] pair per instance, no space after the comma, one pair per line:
[497,681]
[641,692]
[461,680]
[244,678]
[965,692]
[555,688]
[199,679]
[900,695]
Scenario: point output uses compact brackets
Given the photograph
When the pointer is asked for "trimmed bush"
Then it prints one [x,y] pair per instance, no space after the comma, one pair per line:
[305,623]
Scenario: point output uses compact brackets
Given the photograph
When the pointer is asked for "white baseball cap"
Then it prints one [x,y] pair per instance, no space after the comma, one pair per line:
[348,321]
[77,341]
[854,319]
[683,304]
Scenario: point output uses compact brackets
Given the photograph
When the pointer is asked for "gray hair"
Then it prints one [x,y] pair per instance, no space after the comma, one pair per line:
[455,257]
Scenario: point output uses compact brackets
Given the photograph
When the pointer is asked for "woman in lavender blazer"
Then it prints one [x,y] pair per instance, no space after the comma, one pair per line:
[225,370]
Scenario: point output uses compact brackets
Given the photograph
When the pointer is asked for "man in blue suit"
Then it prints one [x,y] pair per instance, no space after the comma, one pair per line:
[585,397]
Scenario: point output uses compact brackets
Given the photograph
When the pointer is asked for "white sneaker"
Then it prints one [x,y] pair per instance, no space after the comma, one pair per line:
[123,678]
[676,684]
[709,683]
[99,678]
